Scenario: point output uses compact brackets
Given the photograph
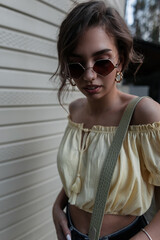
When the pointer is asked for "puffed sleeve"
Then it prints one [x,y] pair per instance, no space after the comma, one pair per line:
[150,153]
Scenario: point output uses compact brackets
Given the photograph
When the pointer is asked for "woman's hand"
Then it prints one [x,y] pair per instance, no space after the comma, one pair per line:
[59,217]
[60,221]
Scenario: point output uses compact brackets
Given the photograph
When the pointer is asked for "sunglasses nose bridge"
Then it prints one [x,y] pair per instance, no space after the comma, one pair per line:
[89,74]
[87,68]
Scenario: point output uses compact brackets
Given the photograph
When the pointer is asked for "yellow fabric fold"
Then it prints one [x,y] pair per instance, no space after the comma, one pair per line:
[81,157]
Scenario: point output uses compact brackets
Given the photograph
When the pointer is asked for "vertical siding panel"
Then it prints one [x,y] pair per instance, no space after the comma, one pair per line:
[31,120]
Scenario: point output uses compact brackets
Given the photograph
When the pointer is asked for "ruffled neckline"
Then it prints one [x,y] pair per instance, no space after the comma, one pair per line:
[95,128]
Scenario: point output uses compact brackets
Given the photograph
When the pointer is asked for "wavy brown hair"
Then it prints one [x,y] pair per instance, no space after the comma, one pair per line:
[83,16]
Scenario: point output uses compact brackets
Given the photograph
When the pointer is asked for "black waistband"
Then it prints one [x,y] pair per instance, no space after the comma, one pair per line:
[125,233]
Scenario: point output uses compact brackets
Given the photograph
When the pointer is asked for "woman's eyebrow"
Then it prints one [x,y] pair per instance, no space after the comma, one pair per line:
[100,52]
[103,51]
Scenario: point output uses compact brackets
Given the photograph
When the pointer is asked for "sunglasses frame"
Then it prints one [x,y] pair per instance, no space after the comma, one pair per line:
[74,63]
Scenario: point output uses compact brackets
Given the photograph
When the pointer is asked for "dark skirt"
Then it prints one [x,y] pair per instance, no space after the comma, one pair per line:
[123,234]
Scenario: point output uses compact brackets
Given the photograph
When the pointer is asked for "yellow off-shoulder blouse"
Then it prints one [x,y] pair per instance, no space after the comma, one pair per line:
[82,153]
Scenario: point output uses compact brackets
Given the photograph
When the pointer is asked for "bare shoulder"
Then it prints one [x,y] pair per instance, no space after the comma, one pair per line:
[147,111]
[73,106]
[76,108]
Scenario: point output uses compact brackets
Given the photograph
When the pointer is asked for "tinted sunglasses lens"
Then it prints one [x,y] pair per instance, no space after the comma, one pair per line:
[103,67]
[76,70]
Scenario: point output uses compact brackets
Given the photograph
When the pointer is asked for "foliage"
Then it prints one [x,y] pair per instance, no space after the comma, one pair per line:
[146,24]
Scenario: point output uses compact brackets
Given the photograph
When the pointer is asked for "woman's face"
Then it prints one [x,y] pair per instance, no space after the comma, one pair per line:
[95,44]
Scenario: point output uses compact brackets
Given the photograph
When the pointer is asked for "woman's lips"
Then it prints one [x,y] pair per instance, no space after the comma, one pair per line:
[92,89]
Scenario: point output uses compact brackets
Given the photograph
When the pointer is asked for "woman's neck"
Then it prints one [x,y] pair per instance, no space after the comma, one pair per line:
[107,103]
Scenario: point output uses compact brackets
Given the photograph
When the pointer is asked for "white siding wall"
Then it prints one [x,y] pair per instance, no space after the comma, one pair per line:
[31,120]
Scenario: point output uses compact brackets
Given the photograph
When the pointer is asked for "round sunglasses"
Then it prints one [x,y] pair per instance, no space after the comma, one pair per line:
[102,67]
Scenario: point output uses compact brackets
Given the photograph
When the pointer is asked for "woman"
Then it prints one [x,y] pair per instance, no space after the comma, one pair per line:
[94,48]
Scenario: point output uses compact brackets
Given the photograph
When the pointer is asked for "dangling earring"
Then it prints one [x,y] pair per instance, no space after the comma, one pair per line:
[119,77]
[72,82]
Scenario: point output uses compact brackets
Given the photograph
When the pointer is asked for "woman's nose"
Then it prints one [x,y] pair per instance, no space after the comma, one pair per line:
[89,74]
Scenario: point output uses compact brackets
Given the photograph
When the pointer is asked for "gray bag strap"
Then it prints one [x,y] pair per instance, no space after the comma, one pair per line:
[108,169]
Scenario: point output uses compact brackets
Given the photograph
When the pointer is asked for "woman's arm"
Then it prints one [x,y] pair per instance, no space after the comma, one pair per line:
[148,111]
[59,217]
[153,229]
